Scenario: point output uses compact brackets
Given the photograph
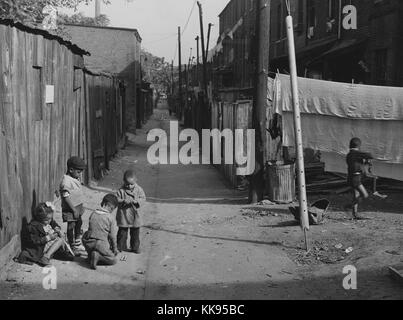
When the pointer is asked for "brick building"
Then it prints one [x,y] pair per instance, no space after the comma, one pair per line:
[325,50]
[234,61]
[115,51]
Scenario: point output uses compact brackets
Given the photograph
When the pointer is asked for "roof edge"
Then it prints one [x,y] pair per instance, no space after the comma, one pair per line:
[47,35]
[107,27]
[226,7]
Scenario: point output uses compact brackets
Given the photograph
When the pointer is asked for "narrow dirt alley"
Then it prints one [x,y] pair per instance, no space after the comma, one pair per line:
[201,241]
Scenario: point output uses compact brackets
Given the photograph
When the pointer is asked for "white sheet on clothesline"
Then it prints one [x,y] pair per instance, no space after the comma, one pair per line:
[333,113]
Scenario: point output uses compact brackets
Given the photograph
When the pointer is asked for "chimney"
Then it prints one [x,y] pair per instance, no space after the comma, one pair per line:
[97,8]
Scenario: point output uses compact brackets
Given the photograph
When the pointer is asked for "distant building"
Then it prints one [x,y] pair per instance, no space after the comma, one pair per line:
[234,62]
[116,51]
[325,50]
[371,54]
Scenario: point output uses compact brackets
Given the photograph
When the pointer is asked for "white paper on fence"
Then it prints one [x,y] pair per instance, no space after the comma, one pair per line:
[337,163]
[341,99]
[332,134]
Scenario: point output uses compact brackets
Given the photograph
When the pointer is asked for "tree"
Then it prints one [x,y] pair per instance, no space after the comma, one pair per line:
[31,11]
[81,19]
[156,71]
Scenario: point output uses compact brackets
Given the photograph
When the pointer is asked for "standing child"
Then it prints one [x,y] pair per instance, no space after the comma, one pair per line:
[100,239]
[356,159]
[131,197]
[43,238]
[72,202]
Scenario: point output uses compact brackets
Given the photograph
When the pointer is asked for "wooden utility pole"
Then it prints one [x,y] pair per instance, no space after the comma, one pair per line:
[303,203]
[198,60]
[172,78]
[203,49]
[186,80]
[208,39]
[190,57]
[189,61]
[257,184]
[185,113]
[180,74]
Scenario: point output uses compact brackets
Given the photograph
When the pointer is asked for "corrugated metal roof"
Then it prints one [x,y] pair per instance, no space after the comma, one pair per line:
[47,35]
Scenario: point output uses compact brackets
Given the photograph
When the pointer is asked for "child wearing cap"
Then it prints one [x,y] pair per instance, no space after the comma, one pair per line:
[100,239]
[72,201]
[43,238]
[131,197]
[355,161]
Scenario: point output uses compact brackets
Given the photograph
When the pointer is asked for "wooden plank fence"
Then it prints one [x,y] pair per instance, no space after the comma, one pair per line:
[106,109]
[232,116]
[49,111]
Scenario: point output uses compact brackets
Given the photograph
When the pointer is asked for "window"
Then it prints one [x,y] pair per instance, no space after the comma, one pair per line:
[283,24]
[381,58]
[311,11]
[279,21]
[300,15]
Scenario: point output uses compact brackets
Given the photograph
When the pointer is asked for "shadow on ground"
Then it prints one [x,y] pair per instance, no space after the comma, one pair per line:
[372,284]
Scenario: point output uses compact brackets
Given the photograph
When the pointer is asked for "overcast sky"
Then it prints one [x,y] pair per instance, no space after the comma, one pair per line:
[157,22]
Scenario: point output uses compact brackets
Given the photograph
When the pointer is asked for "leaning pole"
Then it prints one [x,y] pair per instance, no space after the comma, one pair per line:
[303,204]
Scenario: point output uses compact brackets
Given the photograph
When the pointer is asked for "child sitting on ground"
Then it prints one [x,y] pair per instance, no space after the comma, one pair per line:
[356,159]
[100,239]
[43,238]
[131,197]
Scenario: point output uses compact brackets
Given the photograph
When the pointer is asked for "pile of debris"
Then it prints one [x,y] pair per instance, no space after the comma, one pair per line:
[255,213]
[321,252]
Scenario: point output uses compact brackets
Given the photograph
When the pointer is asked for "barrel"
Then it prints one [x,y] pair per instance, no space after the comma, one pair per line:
[281,183]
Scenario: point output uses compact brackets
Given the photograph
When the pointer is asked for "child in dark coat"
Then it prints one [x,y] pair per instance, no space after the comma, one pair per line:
[131,197]
[43,238]
[356,159]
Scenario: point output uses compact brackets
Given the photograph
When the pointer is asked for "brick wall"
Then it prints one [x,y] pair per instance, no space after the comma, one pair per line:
[115,51]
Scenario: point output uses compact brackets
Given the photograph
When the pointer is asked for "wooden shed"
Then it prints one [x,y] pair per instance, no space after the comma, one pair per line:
[106,106]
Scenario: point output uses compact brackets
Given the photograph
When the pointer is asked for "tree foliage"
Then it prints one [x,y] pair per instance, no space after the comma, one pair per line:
[31,11]
[81,19]
[156,71]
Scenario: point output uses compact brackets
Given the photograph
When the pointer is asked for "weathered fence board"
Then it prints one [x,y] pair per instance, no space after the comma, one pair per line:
[232,116]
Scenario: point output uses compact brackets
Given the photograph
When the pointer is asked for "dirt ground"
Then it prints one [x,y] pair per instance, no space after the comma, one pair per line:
[201,240]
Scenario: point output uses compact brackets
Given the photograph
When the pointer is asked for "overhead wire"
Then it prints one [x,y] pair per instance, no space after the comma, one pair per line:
[162,39]
[190,16]
[185,27]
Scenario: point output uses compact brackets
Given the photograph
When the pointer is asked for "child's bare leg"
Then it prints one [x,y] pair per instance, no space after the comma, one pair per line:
[360,193]
[71,225]
[356,200]
[363,192]
[53,249]
[77,232]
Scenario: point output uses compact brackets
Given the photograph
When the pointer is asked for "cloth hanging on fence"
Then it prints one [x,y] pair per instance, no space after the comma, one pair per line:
[342,100]
[333,113]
